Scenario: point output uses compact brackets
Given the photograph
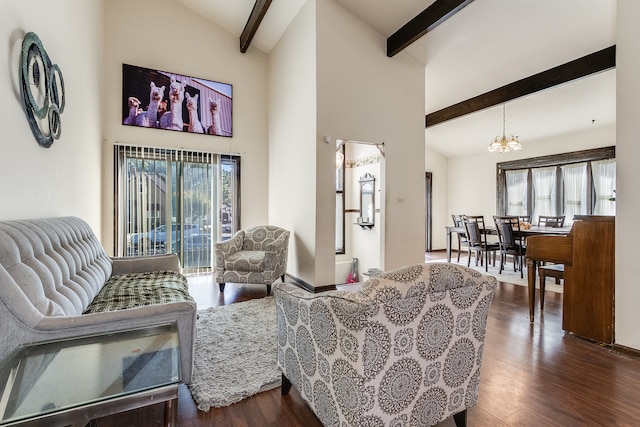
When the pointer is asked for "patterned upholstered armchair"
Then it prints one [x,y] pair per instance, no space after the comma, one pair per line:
[254,255]
[405,349]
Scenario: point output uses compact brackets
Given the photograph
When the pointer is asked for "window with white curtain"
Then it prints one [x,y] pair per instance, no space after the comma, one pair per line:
[544,192]
[574,178]
[175,201]
[604,183]
[517,192]
[576,183]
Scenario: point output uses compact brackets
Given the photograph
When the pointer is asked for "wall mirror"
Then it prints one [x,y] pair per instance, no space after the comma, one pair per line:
[367,201]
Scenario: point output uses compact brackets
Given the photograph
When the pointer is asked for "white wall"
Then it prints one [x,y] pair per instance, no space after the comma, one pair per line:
[364,95]
[292,136]
[329,76]
[65,178]
[627,299]
[169,37]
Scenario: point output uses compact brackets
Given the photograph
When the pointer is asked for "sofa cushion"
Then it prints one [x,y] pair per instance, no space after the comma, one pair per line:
[139,289]
[249,261]
[57,263]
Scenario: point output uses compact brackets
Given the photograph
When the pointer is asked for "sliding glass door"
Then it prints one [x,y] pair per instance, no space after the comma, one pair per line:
[175,201]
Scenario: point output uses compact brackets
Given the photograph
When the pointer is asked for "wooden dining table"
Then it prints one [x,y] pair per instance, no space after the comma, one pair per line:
[534,230]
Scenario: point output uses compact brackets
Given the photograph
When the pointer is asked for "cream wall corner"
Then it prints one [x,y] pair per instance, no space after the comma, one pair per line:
[627,298]
[292,140]
[359,94]
[364,95]
[65,178]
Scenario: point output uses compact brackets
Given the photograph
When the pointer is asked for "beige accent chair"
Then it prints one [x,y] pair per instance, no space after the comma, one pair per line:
[255,255]
[405,349]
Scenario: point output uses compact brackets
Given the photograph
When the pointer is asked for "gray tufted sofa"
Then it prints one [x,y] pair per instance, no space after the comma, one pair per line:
[56,281]
[405,349]
[255,255]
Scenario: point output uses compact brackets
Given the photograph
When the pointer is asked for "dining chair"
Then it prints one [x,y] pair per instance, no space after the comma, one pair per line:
[477,239]
[510,242]
[551,221]
[525,218]
[551,270]
[463,242]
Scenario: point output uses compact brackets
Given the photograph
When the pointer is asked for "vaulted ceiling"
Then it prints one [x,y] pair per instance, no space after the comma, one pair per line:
[484,46]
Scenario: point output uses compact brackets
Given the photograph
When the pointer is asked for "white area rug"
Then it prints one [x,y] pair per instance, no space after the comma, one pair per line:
[235,353]
[507,275]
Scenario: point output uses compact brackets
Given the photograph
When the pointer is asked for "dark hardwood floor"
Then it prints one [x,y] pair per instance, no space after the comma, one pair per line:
[532,374]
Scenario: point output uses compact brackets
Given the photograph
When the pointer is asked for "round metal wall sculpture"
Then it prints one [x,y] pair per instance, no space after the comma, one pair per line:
[42,91]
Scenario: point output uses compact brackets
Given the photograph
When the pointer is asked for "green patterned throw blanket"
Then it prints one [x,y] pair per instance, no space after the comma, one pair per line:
[139,289]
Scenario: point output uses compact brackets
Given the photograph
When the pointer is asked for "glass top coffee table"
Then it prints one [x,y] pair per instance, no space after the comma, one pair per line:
[74,381]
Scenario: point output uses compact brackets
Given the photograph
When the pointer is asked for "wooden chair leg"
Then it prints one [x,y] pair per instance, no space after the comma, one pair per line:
[460,419]
[221,286]
[543,279]
[268,289]
[286,385]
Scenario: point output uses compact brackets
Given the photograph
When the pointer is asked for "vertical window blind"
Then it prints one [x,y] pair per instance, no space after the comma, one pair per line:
[174,201]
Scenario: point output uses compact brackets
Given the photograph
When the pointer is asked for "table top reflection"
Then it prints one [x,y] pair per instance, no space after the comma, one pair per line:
[45,378]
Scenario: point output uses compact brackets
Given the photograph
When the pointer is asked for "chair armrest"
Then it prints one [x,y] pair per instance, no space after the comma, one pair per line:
[308,297]
[63,327]
[224,249]
[434,279]
[229,247]
[143,264]
[334,321]
[103,321]
[281,242]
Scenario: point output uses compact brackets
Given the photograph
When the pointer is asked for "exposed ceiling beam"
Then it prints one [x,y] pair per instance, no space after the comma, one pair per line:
[257,13]
[590,64]
[425,21]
